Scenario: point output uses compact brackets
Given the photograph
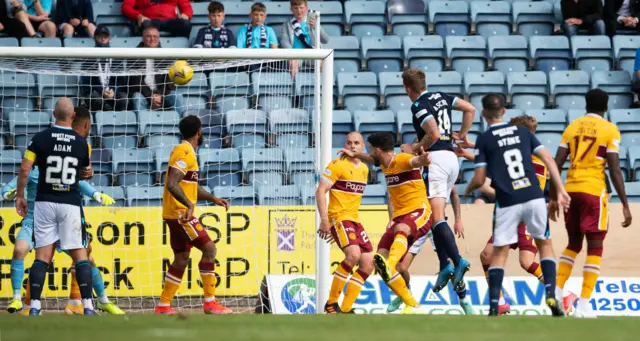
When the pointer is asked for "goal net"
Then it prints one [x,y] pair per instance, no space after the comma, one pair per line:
[266,138]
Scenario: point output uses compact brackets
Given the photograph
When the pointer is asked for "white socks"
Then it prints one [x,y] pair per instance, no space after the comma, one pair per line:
[559,293]
[35,304]
[209,299]
[103,299]
[87,303]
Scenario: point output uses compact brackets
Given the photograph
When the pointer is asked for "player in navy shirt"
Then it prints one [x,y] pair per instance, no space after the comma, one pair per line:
[432,122]
[504,151]
[62,155]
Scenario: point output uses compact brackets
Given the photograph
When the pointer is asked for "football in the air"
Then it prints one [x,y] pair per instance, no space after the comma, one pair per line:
[181,72]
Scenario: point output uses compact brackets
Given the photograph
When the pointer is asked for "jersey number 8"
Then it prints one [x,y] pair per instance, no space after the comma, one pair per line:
[61,170]
[513,159]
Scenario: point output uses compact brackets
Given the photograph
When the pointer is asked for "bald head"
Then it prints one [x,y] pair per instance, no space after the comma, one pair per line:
[64,110]
[354,142]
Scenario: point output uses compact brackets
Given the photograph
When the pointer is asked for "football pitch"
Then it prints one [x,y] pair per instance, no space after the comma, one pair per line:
[303,328]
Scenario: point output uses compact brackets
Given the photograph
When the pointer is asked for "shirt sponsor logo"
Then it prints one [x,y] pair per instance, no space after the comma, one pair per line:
[350,186]
[181,164]
[396,179]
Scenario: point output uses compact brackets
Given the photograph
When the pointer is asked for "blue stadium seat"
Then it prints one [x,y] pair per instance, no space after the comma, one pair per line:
[617,84]
[508,115]
[464,199]
[116,123]
[305,88]
[128,180]
[100,180]
[492,18]
[476,125]
[359,91]
[629,139]
[196,93]
[478,84]
[574,114]
[467,54]
[407,17]
[391,87]
[154,123]
[368,122]
[346,51]
[374,195]
[111,15]
[247,128]
[230,90]
[509,54]
[291,126]
[279,12]
[125,42]
[271,195]
[300,160]
[627,120]
[58,86]
[449,82]
[308,194]
[161,158]
[551,141]
[9,42]
[569,88]
[626,48]
[174,42]
[116,192]
[263,160]
[303,179]
[450,18]
[200,13]
[236,14]
[425,52]
[10,161]
[550,120]
[237,195]
[78,42]
[265,179]
[634,160]
[367,18]
[274,90]
[101,160]
[28,122]
[119,142]
[41,42]
[213,128]
[144,196]
[332,16]
[220,167]
[21,142]
[533,18]
[18,91]
[342,126]
[632,189]
[592,53]
[161,140]
[133,160]
[550,53]
[528,90]
[383,54]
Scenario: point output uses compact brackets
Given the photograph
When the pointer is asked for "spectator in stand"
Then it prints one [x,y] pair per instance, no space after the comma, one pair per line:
[75,18]
[37,12]
[622,14]
[104,92]
[154,90]
[300,31]
[583,14]
[162,14]
[216,35]
[11,26]
[257,35]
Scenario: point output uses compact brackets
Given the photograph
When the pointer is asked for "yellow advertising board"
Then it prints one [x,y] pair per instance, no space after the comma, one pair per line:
[131,248]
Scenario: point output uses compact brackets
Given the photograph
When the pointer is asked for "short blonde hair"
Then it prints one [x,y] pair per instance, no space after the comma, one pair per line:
[414,79]
[525,121]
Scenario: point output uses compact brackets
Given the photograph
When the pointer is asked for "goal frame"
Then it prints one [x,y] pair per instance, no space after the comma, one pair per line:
[323,126]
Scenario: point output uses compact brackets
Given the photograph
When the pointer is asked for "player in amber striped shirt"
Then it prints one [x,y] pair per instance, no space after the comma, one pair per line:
[181,191]
[410,209]
[592,143]
[345,179]
[525,245]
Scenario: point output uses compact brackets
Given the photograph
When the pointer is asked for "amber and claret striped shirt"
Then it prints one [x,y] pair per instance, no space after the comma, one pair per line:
[183,158]
[407,191]
[349,181]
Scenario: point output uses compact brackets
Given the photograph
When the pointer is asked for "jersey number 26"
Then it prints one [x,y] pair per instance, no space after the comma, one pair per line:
[61,170]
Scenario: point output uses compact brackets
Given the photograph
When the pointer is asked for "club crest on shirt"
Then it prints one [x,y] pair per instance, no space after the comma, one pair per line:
[181,164]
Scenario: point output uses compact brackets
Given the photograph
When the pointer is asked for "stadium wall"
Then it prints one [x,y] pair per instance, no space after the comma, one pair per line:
[131,247]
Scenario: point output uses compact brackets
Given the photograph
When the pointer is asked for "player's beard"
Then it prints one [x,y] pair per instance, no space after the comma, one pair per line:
[200,140]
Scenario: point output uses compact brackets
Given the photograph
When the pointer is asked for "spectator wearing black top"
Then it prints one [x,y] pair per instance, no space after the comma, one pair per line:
[622,14]
[12,26]
[583,14]
[75,18]
[216,35]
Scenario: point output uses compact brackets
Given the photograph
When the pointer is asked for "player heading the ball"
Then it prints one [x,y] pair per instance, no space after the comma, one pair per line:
[181,191]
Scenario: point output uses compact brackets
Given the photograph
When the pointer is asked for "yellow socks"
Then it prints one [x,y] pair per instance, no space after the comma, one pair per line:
[398,249]
[565,266]
[399,287]
[339,279]
[208,280]
[354,286]
[172,280]
[74,291]
[590,273]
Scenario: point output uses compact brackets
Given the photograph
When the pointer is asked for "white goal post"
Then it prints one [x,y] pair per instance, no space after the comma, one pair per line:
[27,60]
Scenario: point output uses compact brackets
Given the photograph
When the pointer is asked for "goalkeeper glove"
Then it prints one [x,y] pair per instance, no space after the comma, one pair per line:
[103,199]
[10,195]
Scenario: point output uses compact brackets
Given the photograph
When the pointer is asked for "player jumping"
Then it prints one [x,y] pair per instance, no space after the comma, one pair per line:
[527,249]
[593,143]
[181,191]
[432,123]
[63,156]
[345,179]
[410,210]
[505,151]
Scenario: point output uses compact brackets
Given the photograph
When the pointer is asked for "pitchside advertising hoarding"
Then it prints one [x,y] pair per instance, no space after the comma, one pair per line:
[611,297]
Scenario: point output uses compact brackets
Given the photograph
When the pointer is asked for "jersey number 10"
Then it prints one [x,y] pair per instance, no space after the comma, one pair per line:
[61,170]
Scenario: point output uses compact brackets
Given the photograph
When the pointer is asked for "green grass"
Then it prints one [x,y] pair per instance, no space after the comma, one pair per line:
[304,328]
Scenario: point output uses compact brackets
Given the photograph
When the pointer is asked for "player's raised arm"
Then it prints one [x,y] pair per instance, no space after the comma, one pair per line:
[613,161]
[203,194]
[422,160]
[468,113]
